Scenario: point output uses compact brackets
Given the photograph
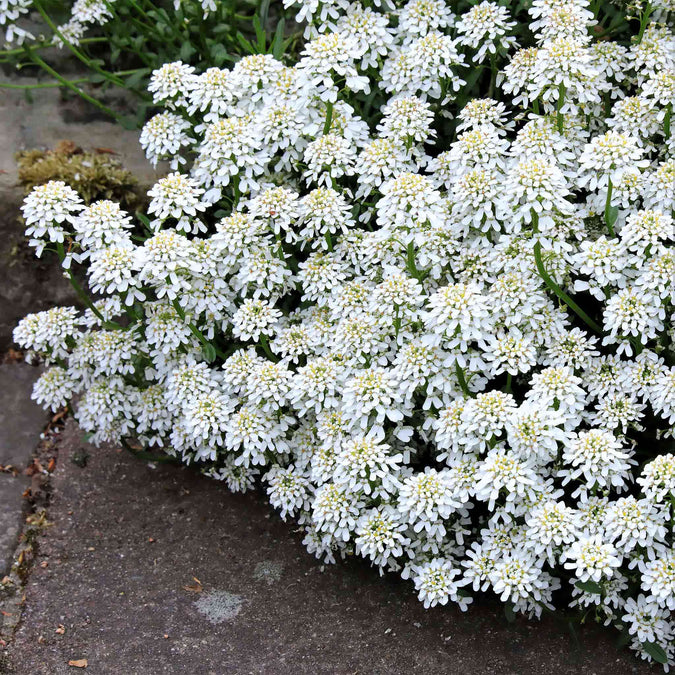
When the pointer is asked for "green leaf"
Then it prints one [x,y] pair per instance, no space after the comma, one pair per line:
[509,613]
[612,215]
[209,352]
[128,122]
[277,48]
[656,652]
[264,11]
[623,639]
[260,34]
[186,51]
[144,219]
[248,47]
[134,80]
[589,586]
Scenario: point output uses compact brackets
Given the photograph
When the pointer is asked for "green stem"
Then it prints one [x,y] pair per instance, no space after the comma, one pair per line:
[508,388]
[76,52]
[560,293]
[194,330]
[47,45]
[493,75]
[666,121]
[644,18]
[82,294]
[69,85]
[459,372]
[42,85]
[264,343]
[560,119]
[48,85]
[329,118]
[608,208]
[411,264]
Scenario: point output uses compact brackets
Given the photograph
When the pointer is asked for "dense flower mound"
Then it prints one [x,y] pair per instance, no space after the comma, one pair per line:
[435,323]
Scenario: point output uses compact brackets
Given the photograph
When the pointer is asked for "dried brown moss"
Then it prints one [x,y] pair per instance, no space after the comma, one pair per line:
[95,175]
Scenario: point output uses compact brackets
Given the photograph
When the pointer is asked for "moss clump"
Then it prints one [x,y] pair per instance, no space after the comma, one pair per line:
[94,175]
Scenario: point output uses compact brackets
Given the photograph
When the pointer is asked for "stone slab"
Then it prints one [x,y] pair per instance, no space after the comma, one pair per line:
[11,517]
[21,419]
[118,570]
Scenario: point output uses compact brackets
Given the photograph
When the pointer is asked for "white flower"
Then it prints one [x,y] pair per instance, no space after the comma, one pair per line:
[170,83]
[505,473]
[607,157]
[255,318]
[48,210]
[363,465]
[336,511]
[592,559]
[54,388]
[163,137]
[658,579]
[426,500]
[486,25]
[435,584]
[287,489]
[177,196]
[596,458]
[550,527]
[380,535]
[518,576]
[658,478]
[647,621]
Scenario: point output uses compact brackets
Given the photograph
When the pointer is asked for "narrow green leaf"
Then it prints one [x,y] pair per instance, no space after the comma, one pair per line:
[209,352]
[260,34]
[278,41]
[264,11]
[186,51]
[246,44]
[128,122]
[135,79]
[656,651]
[144,219]
[509,613]
[589,586]
[612,215]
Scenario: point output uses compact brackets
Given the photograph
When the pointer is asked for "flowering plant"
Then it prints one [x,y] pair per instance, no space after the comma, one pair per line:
[439,329]
[119,42]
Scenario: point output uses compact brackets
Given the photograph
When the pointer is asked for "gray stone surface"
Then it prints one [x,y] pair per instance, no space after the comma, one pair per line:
[157,570]
[21,422]
[21,419]
[50,119]
[11,520]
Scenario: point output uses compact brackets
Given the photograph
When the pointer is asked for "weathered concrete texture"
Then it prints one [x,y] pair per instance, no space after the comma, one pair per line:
[21,419]
[21,422]
[118,573]
[11,511]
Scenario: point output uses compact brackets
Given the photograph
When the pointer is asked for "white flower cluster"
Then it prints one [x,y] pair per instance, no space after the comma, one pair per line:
[84,15]
[438,330]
